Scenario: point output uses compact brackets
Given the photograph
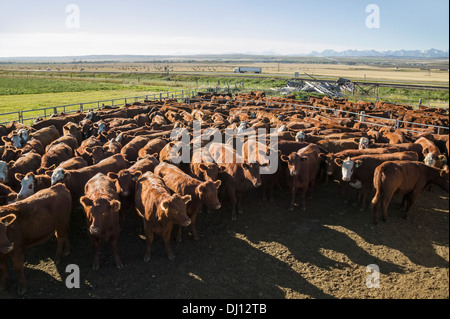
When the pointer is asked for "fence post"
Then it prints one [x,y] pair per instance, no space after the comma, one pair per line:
[160,96]
[362,116]
[81,107]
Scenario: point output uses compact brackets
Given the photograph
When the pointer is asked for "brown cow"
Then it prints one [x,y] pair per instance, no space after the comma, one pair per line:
[87,143]
[131,150]
[7,195]
[55,156]
[303,168]
[125,180]
[159,211]
[31,183]
[35,145]
[358,171]
[238,176]
[29,162]
[76,179]
[32,221]
[202,166]
[154,146]
[101,206]
[202,193]
[405,178]
[334,146]
[68,140]
[73,130]
[46,135]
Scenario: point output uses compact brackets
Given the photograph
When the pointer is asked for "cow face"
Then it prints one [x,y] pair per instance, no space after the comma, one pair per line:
[300,136]
[96,153]
[6,246]
[125,181]
[252,173]
[4,172]
[363,143]
[294,162]
[58,176]
[207,192]
[16,141]
[348,166]
[174,208]
[430,160]
[210,171]
[329,163]
[102,213]
[27,185]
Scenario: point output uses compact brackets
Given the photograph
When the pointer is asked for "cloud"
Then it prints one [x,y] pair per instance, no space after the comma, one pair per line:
[79,43]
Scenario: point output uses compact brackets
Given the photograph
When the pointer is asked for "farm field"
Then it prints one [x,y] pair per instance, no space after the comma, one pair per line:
[367,72]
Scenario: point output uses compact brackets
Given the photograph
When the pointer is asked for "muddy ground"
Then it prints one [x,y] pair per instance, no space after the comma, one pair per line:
[268,253]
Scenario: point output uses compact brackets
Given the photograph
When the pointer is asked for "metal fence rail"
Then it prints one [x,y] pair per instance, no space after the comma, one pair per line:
[30,115]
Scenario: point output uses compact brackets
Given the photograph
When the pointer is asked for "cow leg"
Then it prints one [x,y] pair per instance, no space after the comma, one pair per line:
[385,205]
[115,250]
[96,246]
[364,193]
[148,240]
[411,200]
[291,207]
[179,231]
[166,239]
[193,226]
[63,245]
[17,261]
[303,199]
[4,271]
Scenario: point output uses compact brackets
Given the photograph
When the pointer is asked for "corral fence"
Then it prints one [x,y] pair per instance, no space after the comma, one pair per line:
[25,116]
[185,95]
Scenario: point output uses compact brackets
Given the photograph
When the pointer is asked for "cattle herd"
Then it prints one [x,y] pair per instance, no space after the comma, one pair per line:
[166,160]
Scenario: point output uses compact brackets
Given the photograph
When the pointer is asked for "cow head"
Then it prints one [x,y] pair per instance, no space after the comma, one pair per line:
[174,209]
[103,214]
[58,176]
[207,192]
[86,128]
[328,159]
[363,143]
[430,159]
[124,181]
[210,171]
[300,136]
[11,154]
[348,166]
[6,246]
[252,173]
[96,153]
[27,185]
[4,172]
[294,162]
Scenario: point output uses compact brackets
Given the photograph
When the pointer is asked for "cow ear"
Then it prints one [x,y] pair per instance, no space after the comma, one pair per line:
[115,205]
[85,201]
[165,205]
[217,183]
[186,198]
[4,139]
[358,163]
[48,173]
[322,156]
[113,175]
[137,175]
[88,150]
[104,134]
[338,161]
[442,157]
[284,158]
[19,176]
[8,219]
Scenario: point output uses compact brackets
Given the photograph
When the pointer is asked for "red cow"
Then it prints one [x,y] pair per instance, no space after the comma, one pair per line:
[154,146]
[159,210]
[101,206]
[46,135]
[31,183]
[202,193]
[405,178]
[303,169]
[358,171]
[55,156]
[238,176]
[131,149]
[32,221]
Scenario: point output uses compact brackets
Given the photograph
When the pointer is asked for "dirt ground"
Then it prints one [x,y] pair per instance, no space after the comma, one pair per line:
[268,253]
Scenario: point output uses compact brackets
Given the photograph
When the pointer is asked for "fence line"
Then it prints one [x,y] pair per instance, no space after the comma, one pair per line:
[187,94]
[27,115]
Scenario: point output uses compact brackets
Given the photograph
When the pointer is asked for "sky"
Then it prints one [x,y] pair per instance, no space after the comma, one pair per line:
[175,27]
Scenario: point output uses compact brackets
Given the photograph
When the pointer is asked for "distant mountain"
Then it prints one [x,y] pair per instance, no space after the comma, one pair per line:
[433,53]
